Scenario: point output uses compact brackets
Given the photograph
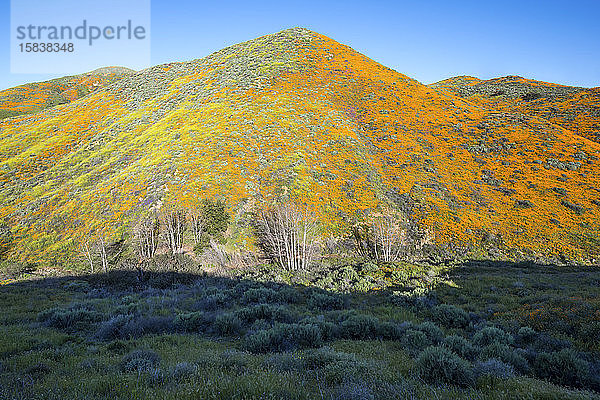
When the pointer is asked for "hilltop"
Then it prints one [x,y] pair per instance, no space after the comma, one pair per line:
[298,114]
[35,97]
[574,108]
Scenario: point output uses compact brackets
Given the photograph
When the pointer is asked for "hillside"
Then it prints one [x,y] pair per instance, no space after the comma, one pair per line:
[574,108]
[299,114]
[34,97]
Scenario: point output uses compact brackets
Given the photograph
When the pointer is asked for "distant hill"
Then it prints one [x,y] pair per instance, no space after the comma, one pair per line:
[574,108]
[486,174]
[34,97]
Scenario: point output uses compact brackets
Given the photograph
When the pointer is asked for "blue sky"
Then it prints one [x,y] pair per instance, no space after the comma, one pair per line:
[556,41]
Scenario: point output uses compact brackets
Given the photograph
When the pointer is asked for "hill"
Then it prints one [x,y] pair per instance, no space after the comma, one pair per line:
[34,97]
[574,108]
[297,114]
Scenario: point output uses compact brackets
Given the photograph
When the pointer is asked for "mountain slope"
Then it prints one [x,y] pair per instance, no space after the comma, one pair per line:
[34,97]
[299,114]
[574,108]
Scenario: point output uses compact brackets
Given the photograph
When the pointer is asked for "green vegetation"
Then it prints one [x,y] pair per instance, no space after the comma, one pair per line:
[249,334]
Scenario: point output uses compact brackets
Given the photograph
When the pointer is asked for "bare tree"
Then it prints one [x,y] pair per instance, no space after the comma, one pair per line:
[174,222]
[87,251]
[145,237]
[387,237]
[197,224]
[102,244]
[287,236]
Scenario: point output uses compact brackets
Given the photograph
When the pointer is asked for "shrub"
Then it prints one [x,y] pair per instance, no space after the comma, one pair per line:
[326,301]
[433,332]
[128,326]
[461,346]
[493,368]
[289,295]
[359,327]
[191,322]
[284,362]
[505,354]
[228,324]
[389,331]
[75,318]
[77,286]
[526,336]
[266,312]
[490,335]
[260,295]
[140,360]
[349,370]
[415,340]
[234,360]
[546,343]
[141,326]
[353,391]
[183,371]
[283,337]
[563,367]
[531,96]
[318,358]
[212,302]
[113,328]
[450,316]
[328,329]
[440,365]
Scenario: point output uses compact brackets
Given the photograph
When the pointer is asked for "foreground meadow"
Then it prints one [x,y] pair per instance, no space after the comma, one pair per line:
[357,331]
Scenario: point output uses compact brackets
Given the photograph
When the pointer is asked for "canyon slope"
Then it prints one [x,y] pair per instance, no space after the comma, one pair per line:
[297,114]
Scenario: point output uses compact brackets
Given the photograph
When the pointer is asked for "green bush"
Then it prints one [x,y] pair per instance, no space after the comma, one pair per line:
[450,316]
[228,324]
[191,322]
[113,328]
[359,327]
[213,219]
[260,295]
[267,312]
[289,295]
[415,340]
[140,360]
[283,337]
[348,370]
[234,361]
[490,335]
[563,367]
[328,329]
[461,346]
[505,354]
[440,365]
[353,391]
[74,318]
[183,371]
[389,331]
[318,358]
[284,362]
[433,332]
[326,301]
[526,336]
[493,368]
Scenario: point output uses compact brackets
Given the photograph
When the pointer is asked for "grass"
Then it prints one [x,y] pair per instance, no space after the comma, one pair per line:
[246,336]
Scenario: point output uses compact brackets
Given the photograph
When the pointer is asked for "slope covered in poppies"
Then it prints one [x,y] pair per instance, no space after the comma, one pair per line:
[297,114]
[34,97]
[574,108]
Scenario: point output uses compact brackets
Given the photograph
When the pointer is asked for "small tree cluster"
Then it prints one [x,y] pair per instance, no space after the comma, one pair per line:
[287,236]
[381,239]
[146,237]
[387,236]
